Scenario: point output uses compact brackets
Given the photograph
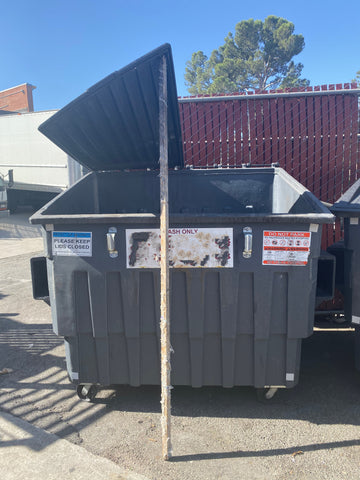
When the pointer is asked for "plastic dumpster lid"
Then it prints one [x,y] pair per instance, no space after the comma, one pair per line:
[115,124]
[348,204]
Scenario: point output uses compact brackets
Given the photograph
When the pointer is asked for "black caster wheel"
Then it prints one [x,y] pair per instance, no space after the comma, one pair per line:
[266,395]
[86,392]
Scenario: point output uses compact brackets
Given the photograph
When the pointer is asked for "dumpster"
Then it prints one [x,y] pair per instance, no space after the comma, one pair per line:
[244,248]
[348,208]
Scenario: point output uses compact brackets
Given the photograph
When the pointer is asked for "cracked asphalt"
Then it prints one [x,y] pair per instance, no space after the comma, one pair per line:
[309,432]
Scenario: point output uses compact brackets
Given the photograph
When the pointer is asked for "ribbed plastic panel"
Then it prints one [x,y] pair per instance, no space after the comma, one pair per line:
[115,124]
[226,330]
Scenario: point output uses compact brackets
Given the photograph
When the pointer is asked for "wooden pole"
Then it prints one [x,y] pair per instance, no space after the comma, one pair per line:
[164,268]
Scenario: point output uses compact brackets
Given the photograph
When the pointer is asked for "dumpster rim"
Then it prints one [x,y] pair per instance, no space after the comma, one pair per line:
[319,218]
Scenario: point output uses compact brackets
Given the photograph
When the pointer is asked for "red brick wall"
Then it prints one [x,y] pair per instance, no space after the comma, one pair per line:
[17,99]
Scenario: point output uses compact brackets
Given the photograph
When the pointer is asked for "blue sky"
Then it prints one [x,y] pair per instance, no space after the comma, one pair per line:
[65,46]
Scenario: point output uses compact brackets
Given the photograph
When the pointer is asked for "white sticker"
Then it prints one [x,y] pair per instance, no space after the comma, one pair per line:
[314,227]
[290,377]
[354,221]
[355,320]
[78,244]
[74,376]
[286,248]
[188,248]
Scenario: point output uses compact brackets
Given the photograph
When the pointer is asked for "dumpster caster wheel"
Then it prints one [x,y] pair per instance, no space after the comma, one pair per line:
[266,394]
[86,392]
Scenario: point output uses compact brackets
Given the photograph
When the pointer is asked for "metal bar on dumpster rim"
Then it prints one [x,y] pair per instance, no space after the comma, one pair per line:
[164,268]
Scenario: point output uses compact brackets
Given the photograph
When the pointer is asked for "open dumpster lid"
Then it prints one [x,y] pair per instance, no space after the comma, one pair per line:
[115,124]
[348,204]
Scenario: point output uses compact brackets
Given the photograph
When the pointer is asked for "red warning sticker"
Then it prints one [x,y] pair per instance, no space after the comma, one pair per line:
[286,248]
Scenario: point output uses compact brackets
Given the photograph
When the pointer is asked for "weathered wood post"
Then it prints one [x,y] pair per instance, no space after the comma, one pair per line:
[164,267]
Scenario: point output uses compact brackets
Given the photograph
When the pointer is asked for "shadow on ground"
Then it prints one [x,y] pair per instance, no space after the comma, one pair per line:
[34,383]
[37,389]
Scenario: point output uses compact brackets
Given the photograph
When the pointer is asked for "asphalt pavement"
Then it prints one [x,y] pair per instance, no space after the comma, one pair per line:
[28,452]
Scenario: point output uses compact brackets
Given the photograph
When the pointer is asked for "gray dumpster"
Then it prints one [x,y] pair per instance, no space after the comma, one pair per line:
[244,248]
[348,208]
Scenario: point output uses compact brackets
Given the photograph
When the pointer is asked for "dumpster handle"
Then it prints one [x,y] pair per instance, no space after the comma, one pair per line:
[110,240]
[248,242]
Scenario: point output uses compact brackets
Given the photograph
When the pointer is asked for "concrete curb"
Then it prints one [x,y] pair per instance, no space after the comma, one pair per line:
[30,453]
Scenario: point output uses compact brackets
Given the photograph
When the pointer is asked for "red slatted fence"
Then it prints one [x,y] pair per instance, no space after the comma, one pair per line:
[313,133]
